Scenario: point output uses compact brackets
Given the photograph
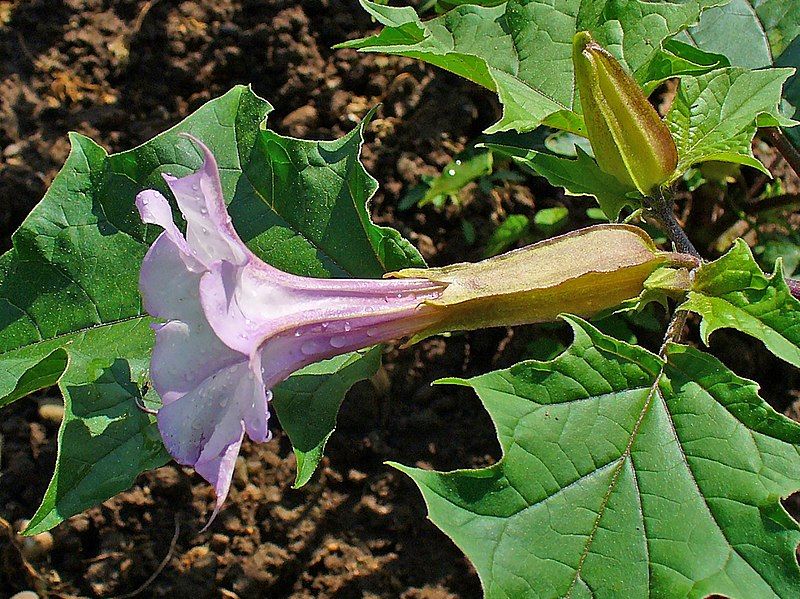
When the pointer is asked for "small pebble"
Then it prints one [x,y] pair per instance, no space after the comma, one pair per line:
[25,595]
[51,410]
[13,149]
[219,542]
[38,546]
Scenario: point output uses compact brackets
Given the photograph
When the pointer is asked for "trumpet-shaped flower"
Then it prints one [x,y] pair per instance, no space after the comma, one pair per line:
[236,326]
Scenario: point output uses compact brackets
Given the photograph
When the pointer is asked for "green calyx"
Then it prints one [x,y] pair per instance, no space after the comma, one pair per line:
[584,272]
[628,137]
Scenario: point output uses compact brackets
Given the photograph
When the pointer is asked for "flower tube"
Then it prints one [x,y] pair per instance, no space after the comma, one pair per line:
[235,326]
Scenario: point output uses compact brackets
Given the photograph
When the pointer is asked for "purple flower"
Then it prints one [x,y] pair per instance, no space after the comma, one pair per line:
[235,326]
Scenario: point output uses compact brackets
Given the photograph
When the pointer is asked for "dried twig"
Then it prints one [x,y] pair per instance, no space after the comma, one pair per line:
[160,567]
[139,401]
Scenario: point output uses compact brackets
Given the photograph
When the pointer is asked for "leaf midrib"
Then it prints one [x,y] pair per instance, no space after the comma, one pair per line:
[75,333]
[702,496]
[652,392]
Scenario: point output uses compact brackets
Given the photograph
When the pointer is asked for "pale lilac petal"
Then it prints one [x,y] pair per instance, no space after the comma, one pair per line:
[218,471]
[246,305]
[204,428]
[236,326]
[166,282]
[154,209]
[209,231]
[224,297]
[186,351]
[256,421]
[186,354]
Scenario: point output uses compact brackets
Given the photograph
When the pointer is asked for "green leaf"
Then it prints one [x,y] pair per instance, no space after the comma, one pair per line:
[755,34]
[311,217]
[44,373]
[714,116]
[308,402]
[522,49]
[457,174]
[679,58]
[465,168]
[551,220]
[625,476]
[507,234]
[733,292]
[791,91]
[787,248]
[105,440]
[578,177]
[69,298]
[752,34]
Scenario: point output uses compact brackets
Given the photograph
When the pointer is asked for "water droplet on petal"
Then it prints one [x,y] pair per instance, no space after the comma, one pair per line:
[298,332]
[308,347]
[203,211]
[338,341]
[347,327]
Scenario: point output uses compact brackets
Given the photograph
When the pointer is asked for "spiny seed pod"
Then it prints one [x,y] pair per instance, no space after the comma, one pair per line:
[629,139]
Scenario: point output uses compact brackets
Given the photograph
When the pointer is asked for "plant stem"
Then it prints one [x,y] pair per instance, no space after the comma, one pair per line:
[674,330]
[661,209]
[784,146]
[786,201]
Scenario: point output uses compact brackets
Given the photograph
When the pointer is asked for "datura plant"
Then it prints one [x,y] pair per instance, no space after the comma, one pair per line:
[181,292]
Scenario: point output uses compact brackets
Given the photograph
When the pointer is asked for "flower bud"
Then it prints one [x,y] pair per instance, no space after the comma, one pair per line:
[583,273]
[629,139]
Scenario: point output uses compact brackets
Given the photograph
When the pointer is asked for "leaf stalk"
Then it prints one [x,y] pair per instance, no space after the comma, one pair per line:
[784,146]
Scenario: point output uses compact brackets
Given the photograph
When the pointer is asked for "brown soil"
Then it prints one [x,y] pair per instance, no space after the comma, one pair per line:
[122,70]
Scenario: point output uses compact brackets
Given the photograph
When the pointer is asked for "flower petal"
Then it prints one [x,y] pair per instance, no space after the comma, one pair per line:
[204,428]
[186,354]
[186,351]
[209,232]
[154,209]
[166,282]
[218,471]
[248,305]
